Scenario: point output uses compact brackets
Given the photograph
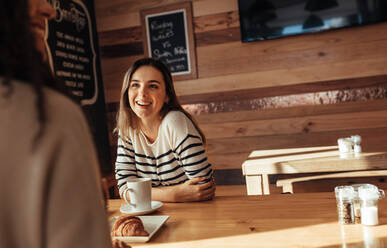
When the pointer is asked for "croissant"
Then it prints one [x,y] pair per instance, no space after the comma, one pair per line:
[129,226]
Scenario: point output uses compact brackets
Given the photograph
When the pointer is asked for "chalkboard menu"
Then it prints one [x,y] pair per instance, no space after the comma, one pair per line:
[73,55]
[168,36]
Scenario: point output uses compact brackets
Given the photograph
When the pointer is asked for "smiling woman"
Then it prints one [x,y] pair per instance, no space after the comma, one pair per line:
[158,139]
[147,95]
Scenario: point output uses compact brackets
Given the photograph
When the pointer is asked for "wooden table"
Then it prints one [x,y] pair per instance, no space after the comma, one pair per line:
[261,164]
[283,220]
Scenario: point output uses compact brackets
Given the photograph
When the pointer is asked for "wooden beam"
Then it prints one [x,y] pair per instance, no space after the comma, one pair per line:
[297,125]
[298,111]
[118,14]
[340,84]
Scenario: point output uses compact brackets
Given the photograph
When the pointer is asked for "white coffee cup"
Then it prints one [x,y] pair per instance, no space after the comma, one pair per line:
[140,194]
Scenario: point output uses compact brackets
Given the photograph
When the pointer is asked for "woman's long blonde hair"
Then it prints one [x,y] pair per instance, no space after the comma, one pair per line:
[127,119]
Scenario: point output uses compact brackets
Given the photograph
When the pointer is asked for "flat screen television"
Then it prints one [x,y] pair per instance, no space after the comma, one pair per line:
[271,19]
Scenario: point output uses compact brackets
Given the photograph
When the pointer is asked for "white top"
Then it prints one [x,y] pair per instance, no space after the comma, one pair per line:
[176,155]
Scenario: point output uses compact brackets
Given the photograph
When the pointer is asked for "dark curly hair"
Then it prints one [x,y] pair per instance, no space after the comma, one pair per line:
[20,60]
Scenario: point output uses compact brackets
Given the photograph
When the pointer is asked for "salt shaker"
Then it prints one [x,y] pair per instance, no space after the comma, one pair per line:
[356,139]
[369,197]
[356,200]
[345,147]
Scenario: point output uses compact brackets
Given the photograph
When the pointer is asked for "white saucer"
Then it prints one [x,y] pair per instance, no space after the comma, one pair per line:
[127,209]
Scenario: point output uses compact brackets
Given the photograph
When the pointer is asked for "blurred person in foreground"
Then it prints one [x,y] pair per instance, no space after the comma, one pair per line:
[49,180]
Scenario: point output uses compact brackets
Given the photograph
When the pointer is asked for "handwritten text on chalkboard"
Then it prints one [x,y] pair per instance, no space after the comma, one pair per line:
[72,49]
[168,41]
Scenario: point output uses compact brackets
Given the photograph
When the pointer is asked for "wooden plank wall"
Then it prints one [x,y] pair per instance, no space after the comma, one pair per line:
[229,69]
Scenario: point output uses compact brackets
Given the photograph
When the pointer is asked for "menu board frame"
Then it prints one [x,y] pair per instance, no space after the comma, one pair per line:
[184,8]
[72,49]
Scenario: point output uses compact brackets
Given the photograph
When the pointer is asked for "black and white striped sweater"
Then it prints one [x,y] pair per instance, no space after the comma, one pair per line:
[176,155]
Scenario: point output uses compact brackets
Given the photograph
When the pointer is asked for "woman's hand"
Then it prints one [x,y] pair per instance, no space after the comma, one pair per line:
[191,190]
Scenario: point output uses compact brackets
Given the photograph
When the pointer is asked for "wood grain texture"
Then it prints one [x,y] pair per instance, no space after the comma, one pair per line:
[122,50]
[218,37]
[215,60]
[328,185]
[115,21]
[223,27]
[113,71]
[341,84]
[308,124]
[231,190]
[374,140]
[202,89]
[113,95]
[299,111]
[282,77]
[300,162]
[288,183]
[120,36]
[230,153]
[216,26]
[211,7]
[231,70]
[299,220]
[118,14]
[303,59]
[215,22]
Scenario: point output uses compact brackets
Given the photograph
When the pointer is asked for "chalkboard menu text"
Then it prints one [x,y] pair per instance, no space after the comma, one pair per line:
[168,36]
[72,48]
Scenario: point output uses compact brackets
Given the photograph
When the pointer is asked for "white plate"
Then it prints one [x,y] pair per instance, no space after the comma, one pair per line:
[127,209]
[151,224]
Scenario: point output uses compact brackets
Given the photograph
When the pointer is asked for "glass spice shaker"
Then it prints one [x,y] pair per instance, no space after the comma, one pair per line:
[369,197]
[345,205]
[356,200]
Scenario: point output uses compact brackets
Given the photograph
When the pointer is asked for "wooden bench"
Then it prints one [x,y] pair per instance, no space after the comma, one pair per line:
[287,184]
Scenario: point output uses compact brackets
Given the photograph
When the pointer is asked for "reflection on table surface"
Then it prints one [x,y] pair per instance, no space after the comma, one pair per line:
[298,220]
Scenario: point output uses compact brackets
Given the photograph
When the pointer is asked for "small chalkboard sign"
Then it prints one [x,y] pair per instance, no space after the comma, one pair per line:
[168,36]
